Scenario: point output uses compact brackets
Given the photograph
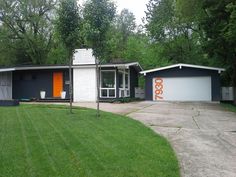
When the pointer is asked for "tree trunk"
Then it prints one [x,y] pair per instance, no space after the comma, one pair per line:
[98,85]
[70,86]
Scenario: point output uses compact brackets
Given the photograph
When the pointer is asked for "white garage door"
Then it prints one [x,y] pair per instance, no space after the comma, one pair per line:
[182,88]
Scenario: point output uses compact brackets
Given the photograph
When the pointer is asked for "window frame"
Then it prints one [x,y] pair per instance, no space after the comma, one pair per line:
[107,89]
[124,89]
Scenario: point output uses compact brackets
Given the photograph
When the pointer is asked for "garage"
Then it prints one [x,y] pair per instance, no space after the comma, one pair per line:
[183,82]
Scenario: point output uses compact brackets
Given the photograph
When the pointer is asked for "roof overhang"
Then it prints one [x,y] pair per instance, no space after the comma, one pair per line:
[136,65]
[32,68]
[180,66]
[40,67]
[6,70]
[84,66]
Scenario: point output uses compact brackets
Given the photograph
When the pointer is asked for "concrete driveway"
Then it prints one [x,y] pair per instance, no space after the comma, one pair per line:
[203,135]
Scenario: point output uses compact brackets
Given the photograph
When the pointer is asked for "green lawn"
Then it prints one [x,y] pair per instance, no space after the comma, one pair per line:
[229,107]
[46,141]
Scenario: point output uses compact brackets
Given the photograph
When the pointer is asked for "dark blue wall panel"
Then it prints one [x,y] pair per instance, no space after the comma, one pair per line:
[28,84]
[133,81]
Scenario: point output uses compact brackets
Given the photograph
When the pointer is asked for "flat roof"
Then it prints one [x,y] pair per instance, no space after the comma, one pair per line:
[7,69]
[42,67]
[32,67]
[123,65]
[180,65]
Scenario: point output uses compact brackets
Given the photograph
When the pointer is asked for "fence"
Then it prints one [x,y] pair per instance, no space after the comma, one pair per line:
[139,93]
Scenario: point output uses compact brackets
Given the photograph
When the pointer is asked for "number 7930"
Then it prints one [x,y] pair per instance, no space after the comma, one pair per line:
[158,85]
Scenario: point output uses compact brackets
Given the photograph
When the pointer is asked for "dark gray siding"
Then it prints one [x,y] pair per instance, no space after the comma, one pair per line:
[184,72]
[28,84]
[133,81]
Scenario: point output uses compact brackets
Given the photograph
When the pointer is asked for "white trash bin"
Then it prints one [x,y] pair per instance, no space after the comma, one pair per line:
[63,95]
[42,94]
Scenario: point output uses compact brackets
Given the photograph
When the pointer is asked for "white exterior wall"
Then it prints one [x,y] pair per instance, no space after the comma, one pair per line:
[84,84]
[83,57]
[182,89]
[5,85]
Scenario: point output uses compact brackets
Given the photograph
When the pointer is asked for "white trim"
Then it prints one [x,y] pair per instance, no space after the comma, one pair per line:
[107,89]
[126,90]
[127,65]
[100,87]
[82,65]
[180,65]
[7,69]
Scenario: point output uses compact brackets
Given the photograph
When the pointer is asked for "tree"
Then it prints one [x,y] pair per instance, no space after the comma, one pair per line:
[121,29]
[126,24]
[26,30]
[217,21]
[68,28]
[160,19]
[98,15]
[179,38]
[219,27]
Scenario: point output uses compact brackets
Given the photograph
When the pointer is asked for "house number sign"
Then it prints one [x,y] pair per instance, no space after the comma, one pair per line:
[158,88]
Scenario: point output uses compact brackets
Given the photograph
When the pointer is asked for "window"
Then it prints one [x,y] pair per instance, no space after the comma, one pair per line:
[121,80]
[108,79]
[126,80]
[124,88]
[108,84]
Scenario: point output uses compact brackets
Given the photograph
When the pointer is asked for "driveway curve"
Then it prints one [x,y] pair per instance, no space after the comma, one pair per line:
[203,135]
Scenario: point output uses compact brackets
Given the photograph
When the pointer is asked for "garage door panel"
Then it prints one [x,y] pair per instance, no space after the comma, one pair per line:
[182,89]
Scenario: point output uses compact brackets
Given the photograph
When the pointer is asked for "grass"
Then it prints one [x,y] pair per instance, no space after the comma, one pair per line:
[229,107]
[46,141]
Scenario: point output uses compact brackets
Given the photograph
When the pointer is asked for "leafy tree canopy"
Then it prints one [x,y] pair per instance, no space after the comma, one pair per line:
[26,30]
[98,16]
[68,24]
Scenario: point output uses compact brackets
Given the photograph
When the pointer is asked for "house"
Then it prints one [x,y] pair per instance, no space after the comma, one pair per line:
[26,82]
[183,82]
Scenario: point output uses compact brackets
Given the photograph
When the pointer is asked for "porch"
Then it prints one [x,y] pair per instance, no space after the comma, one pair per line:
[118,81]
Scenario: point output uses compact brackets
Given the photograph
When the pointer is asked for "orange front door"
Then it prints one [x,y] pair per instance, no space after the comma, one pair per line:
[57,84]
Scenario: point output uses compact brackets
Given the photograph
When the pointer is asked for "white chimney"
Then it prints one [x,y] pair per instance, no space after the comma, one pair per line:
[83,57]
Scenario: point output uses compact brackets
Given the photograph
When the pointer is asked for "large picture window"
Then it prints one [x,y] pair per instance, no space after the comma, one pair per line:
[108,79]
[108,84]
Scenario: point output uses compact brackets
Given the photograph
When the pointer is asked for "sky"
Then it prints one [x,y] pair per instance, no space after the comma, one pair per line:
[136,6]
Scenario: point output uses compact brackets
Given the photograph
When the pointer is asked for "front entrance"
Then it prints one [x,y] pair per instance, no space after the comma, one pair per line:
[57,84]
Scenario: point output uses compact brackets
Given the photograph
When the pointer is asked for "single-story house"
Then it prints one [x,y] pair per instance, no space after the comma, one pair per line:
[26,82]
[183,82]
